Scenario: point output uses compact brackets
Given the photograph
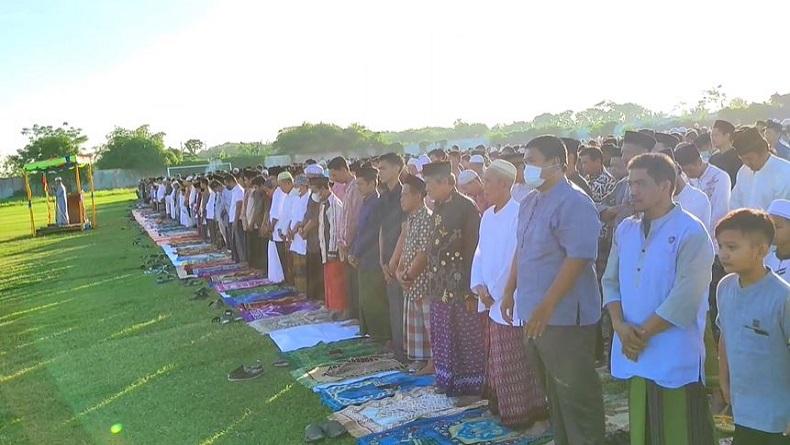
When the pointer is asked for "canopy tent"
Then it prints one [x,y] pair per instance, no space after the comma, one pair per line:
[67,163]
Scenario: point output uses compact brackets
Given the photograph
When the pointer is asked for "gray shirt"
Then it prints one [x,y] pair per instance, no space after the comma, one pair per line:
[552,226]
[755,326]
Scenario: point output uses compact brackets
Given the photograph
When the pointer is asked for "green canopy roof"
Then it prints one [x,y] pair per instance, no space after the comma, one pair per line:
[49,164]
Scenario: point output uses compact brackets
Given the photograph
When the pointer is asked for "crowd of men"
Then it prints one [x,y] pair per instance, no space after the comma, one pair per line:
[511,273]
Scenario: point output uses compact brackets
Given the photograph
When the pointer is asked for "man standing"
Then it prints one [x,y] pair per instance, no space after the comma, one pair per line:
[600,180]
[763,176]
[477,163]
[725,157]
[469,184]
[572,147]
[557,291]
[298,249]
[456,329]
[392,218]
[616,206]
[513,385]
[773,134]
[339,173]
[655,289]
[279,216]
[365,257]
[411,272]
[309,231]
[61,201]
[712,180]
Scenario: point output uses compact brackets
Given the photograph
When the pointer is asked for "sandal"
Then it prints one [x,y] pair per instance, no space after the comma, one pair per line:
[245,372]
[281,363]
[333,429]
[313,433]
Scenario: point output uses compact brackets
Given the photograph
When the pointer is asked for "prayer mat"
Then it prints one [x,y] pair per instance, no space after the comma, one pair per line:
[246,284]
[275,310]
[356,367]
[327,353]
[290,339]
[266,325]
[257,297]
[202,272]
[341,395]
[474,426]
[376,416]
[257,289]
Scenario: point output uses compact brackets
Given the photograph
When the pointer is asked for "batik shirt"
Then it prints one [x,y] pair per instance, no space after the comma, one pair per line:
[419,233]
[602,185]
[456,223]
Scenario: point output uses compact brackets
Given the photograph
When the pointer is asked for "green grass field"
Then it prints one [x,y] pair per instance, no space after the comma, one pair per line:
[87,341]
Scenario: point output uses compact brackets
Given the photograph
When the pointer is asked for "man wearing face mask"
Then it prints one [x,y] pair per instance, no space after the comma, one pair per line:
[557,291]
[309,231]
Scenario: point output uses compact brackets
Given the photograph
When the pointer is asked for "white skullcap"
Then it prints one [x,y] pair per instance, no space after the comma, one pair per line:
[416,163]
[504,168]
[467,176]
[285,176]
[477,159]
[314,170]
[57,178]
[780,207]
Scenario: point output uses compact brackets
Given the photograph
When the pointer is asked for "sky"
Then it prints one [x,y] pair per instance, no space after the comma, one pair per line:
[241,70]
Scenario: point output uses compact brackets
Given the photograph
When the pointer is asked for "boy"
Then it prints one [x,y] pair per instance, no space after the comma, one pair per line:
[754,318]
[329,216]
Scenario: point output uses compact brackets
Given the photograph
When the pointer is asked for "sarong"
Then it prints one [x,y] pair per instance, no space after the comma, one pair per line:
[315,276]
[513,383]
[374,315]
[335,286]
[417,328]
[661,416]
[457,348]
[300,272]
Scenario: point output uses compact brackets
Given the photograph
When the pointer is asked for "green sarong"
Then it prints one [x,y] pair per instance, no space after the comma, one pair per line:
[661,416]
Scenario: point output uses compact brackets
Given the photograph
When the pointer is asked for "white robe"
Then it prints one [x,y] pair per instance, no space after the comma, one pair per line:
[62,208]
[756,190]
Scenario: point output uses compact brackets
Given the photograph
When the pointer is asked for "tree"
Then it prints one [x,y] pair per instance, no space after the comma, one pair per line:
[322,138]
[47,142]
[193,146]
[138,149]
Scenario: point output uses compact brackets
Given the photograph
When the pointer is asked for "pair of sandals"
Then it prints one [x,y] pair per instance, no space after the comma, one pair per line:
[246,372]
[331,429]
[226,318]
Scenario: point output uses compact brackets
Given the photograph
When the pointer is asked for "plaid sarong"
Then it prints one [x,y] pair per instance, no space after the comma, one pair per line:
[417,328]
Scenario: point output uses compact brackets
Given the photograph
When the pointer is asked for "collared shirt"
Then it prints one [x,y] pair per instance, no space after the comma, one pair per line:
[348,222]
[366,243]
[419,235]
[276,211]
[456,229]
[494,256]
[667,273]
[757,189]
[729,162]
[601,186]
[392,217]
[339,189]
[755,327]
[210,204]
[715,183]
[298,211]
[552,226]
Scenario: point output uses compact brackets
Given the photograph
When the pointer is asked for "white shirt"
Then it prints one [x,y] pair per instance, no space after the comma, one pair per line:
[298,211]
[276,211]
[716,184]
[212,196]
[236,197]
[695,201]
[779,267]
[756,190]
[494,256]
[160,192]
[227,196]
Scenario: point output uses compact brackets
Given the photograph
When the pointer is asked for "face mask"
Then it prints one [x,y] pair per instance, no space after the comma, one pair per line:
[315,197]
[532,176]
[705,155]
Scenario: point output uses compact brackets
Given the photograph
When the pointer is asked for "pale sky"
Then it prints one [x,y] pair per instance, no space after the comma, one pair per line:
[240,70]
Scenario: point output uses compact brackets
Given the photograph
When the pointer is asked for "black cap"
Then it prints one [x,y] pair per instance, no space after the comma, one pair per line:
[667,140]
[415,182]
[436,169]
[571,145]
[641,139]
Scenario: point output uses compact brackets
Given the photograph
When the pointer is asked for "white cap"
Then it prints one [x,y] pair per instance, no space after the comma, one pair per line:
[467,176]
[780,207]
[314,170]
[477,159]
[505,168]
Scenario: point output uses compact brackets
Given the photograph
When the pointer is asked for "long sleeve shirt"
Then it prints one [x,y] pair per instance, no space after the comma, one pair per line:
[666,273]
[349,219]
[715,183]
[366,243]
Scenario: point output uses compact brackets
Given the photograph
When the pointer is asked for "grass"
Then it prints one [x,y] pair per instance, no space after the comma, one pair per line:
[89,341]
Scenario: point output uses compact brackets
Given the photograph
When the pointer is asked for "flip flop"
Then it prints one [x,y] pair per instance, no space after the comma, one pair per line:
[281,364]
[313,433]
[333,429]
